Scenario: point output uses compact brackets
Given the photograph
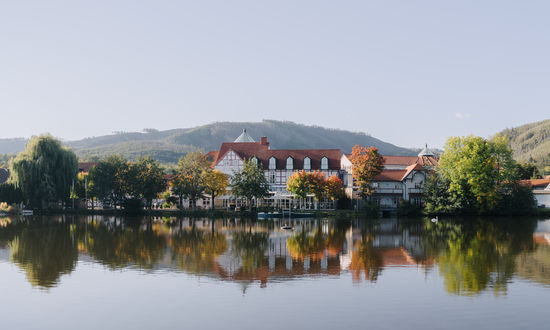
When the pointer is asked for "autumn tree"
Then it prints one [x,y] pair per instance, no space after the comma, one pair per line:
[214,182]
[299,184]
[334,188]
[367,164]
[188,181]
[250,182]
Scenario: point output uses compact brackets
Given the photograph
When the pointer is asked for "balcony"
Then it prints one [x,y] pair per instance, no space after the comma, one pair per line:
[388,191]
[416,191]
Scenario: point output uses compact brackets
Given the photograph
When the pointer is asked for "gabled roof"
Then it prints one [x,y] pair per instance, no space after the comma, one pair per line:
[539,183]
[390,175]
[247,150]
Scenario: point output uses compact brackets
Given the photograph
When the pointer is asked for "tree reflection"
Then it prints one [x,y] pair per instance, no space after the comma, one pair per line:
[365,258]
[122,246]
[196,250]
[44,253]
[250,248]
[477,256]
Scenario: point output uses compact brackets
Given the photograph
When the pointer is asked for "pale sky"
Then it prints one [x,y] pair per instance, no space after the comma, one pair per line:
[407,72]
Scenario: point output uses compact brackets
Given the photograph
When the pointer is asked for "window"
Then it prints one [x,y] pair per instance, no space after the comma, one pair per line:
[307,163]
[272,178]
[254,160]
[289,163]
[272,163]
[324,163]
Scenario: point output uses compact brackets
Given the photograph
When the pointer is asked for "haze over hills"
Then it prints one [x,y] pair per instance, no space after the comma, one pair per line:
[167,146]
[531,142]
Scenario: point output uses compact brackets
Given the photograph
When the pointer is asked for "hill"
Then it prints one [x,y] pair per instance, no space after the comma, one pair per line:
[531,143]
[167,146]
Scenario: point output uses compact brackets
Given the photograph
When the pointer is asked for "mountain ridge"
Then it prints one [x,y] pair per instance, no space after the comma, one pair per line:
[168,145]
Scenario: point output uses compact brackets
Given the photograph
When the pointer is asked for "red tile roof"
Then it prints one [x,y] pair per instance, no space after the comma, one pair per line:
[390,175]
[86,166]
[247,150]
[536,182]
[407,160]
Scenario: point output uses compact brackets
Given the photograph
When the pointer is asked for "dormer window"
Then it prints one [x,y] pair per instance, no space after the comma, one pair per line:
[289,163]
[307,163]
[254,160]
[272,163]
[324,163]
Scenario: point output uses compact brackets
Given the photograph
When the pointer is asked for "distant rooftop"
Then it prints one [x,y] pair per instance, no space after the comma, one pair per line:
[426,152]
[244,137]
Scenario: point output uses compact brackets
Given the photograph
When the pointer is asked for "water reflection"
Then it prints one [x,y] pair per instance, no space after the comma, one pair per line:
[471,256]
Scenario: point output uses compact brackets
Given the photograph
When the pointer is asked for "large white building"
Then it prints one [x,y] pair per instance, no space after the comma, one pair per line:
[279,164]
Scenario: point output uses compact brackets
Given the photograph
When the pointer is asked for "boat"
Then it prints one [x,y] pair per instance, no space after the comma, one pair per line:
[27,212]
[268,215]
[287,227]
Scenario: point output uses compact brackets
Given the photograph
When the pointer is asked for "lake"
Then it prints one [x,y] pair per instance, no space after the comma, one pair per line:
[66,272]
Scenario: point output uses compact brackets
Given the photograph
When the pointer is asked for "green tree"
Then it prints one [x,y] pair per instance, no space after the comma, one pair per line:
[44,171]
[250,182]
[215,182]
[106,177]
[10,194]
[144,179]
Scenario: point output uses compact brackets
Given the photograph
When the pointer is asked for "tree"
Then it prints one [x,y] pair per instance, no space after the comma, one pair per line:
[107,179]
[188,180]
[84,187]
[527,171]
[334,187]
[476,175]
[44,171]
[367,164]
[302,183]
[250,182]
[214,182]
[299,184]
[10,194]
[144,179]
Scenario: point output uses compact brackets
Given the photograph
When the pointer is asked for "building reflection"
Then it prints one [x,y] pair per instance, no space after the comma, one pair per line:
[471,256]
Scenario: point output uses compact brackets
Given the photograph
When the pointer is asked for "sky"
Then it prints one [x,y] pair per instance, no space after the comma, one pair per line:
[407,72]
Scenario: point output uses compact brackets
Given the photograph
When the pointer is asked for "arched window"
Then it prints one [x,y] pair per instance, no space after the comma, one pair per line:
[289,163]
[324,163]
[307,163]
[272,163]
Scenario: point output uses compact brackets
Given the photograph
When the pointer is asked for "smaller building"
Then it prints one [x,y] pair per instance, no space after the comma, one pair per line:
[403,178]
[541,190]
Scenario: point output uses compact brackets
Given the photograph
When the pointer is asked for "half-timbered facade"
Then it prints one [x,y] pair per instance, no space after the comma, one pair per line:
[278,164]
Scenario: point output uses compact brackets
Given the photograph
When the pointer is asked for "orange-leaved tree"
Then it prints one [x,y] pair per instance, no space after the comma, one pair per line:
[367,164]
[334,187]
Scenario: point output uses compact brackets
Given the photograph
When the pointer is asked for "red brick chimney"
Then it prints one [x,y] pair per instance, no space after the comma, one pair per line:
[263,141]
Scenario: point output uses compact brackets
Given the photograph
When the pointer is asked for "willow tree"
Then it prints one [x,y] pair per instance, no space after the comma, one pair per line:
[44,171]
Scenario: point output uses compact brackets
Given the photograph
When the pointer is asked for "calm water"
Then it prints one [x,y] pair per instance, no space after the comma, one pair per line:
[92,272]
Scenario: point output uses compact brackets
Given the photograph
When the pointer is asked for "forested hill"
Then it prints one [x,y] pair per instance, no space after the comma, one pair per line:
[168,146]
[531,142]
